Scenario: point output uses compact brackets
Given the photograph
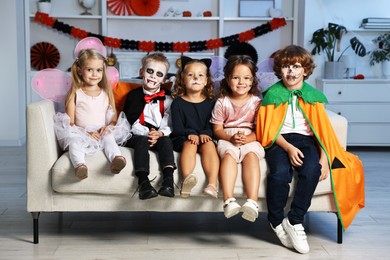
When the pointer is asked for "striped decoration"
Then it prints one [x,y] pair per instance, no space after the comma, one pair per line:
[119,7]
[44,55]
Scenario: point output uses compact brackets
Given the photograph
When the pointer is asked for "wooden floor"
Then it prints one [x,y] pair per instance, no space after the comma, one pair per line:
[186,235]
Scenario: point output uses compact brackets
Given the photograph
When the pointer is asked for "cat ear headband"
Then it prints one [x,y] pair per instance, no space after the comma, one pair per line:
[185,60]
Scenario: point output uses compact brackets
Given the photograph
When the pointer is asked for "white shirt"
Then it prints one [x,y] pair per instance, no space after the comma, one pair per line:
[153,116]
[295,116]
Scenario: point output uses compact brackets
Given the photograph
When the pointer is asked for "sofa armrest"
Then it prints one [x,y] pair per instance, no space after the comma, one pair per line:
[340,126]
[42,153]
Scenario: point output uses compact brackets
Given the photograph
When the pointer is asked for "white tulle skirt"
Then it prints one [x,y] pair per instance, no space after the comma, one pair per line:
[67,134]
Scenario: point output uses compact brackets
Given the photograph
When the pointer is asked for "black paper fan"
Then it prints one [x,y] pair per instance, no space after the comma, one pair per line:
[44,55]
[242,48]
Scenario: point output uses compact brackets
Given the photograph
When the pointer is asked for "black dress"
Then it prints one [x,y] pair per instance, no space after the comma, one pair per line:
[190,118]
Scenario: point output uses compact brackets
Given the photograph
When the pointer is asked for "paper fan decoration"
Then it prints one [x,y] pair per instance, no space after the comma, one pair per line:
[242,48]
[44,55]
[119,7]
[145,7]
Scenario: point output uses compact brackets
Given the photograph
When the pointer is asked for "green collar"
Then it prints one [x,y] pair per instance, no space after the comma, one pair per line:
[278,94]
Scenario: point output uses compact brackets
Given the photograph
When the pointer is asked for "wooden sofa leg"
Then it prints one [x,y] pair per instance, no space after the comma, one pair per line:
[339,231]
[35,216]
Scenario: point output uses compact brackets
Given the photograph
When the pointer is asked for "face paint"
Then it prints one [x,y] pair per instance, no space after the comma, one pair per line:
[153,75]
[293,75]
[291,72]
[195,75]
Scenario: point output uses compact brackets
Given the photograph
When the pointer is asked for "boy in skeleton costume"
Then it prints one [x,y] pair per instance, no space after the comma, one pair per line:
[148,110]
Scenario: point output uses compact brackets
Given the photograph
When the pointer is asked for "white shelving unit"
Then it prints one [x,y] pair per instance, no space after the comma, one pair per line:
[225,21]
[365,104]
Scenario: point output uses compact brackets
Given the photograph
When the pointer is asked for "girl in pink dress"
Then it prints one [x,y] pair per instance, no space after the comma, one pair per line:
[91,123]
[233,119]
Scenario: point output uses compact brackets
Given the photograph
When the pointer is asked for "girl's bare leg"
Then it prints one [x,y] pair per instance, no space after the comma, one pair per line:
[228,173]
[188,158]
[210,162]
[251,175]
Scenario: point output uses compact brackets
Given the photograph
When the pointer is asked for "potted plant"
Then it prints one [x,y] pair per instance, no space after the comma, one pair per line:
[381,54]
[44,6]
[328,40]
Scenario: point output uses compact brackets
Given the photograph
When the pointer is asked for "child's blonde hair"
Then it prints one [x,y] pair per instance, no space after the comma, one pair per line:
[77,80]
[233,61]
[180,88]
[158,57]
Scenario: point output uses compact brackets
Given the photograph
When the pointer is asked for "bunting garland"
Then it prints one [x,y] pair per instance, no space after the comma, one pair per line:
[149,46]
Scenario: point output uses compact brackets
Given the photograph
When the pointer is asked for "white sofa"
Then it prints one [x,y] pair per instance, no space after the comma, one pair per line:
[53,187]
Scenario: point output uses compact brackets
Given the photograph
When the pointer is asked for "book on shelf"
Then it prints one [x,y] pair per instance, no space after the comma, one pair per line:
[376,20]
[375,25]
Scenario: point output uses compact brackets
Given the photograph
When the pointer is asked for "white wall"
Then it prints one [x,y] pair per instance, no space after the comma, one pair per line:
[12,71]
[318,13]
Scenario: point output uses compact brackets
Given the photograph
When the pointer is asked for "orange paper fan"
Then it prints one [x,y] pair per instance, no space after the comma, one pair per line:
[119,7]
[145,7]
[44,55]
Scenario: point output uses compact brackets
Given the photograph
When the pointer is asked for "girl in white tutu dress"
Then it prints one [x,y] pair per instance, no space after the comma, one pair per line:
[91,123]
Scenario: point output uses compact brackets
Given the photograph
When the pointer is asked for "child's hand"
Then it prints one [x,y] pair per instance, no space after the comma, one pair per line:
[194,139]
[153,136]
[295,155]
[324,168]
[95,135]
[238,138]
[204,138]
[105,129]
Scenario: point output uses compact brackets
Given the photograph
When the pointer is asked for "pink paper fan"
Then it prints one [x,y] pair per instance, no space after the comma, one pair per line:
[113,76]
[90,43]
[52,84]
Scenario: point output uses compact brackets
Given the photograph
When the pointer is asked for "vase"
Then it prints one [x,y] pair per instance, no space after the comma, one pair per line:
[44,7]
[386,69]
[334,70]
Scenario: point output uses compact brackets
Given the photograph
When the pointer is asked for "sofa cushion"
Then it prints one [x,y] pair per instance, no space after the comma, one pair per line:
[101,181]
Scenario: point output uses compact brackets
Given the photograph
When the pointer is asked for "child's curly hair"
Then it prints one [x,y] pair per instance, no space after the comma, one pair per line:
[233,61]
[180,88]
[293,54]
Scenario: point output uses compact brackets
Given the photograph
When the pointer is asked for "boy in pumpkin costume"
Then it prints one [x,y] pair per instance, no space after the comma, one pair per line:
[293,127]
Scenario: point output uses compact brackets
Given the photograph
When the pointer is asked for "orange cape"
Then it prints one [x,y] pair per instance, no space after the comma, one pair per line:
[346,169]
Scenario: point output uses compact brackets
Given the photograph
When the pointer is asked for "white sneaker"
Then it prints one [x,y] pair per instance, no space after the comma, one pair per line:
[250,210]
[297,235]
[282,235]
[231,208]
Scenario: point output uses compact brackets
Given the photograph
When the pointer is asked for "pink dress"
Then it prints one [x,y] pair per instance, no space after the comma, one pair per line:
[237,118]
[92,113]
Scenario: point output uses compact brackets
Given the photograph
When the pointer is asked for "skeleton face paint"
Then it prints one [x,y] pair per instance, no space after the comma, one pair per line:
[292,75]
[153,75]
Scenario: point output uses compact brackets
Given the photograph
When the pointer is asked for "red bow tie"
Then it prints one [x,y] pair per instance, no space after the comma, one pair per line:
[154,96]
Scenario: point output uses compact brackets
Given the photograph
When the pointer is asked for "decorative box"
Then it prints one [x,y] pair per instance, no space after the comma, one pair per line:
[255,8]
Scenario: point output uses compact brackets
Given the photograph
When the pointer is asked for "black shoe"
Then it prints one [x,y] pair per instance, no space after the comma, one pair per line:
[167,188]
[146,191]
